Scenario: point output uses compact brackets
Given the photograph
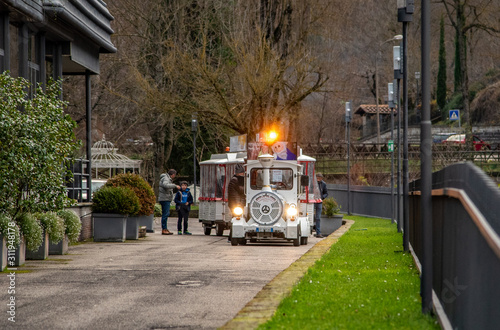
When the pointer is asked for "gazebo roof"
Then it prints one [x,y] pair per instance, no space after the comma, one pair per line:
[372,109]
[104,155]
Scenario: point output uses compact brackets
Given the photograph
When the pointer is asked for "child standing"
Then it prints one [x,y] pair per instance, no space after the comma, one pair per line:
[183,200]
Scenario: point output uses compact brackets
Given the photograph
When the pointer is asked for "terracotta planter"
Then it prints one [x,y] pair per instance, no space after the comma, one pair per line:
[43,251]
[61,247]
[109,227]
[330,224]
[148,221]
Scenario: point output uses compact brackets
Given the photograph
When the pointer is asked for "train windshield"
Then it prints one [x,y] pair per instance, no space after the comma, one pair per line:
[280,178]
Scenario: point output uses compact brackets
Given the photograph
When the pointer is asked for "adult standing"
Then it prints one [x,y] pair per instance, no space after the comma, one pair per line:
[236,190]
[165,196]
[318,207]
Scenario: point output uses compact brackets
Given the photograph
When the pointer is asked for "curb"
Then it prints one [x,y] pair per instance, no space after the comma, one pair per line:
[263,306]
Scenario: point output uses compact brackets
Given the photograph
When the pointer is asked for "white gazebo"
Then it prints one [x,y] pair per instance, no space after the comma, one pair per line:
[106,162]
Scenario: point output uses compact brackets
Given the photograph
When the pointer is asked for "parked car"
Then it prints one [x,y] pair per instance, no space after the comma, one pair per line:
[440,137]
[460,138]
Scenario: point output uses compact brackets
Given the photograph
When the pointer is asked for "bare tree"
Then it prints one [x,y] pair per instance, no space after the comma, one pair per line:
[467,16]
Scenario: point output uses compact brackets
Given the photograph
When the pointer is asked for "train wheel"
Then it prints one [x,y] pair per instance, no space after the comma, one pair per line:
[234,241]
[219,228]
[207,230]
[243,241]
[303,240]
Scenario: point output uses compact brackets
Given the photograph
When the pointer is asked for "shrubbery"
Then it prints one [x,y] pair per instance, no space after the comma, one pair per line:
[72,223]
[35,144]
[115,200]
[31,231]
[6,222]
[53,225]
[140,187]
[330,207]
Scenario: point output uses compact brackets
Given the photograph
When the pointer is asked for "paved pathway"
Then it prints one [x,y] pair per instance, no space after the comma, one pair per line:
[158,282]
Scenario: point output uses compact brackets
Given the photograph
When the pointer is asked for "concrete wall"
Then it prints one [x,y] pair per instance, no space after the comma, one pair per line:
[84,211]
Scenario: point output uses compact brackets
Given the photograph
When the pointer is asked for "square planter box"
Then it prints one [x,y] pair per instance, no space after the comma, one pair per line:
[43,251]
[3,252]
[329,225]
[132,231]
[148,221]
[61,247]
[109,227]
[20,253]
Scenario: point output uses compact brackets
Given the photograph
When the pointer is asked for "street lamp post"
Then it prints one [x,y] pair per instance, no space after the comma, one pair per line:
[194,128]
[396,37]
[405,15]
[396,50]
[347,125]
[391,144]
[417,77]
[426,161]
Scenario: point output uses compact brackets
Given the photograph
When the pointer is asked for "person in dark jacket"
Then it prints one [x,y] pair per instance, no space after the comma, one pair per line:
[165,197]
[183,200]
[318,207]
[236,190]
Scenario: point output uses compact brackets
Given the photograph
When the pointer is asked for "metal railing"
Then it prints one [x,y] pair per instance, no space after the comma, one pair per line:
[466,245]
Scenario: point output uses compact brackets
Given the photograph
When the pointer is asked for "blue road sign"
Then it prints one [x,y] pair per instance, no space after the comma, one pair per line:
[454,114]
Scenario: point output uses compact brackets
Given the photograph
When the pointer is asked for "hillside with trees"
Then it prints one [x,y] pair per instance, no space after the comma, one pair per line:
[246,65]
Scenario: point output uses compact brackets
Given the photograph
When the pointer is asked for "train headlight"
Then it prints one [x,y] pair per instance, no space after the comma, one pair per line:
[292,211]
[238,211]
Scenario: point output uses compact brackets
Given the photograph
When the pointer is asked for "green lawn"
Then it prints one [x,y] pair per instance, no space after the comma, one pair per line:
[365,281]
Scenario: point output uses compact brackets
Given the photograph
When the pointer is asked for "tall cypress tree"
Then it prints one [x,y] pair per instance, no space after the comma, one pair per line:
[441,77]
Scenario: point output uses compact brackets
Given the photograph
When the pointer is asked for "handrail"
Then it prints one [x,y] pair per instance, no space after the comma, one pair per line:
[491,237]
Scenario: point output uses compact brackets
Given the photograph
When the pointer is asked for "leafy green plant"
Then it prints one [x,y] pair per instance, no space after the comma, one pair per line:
[9,229]
[72,223]
[31,230]
[140,187]
[157,210]
[330,207]
[118,200]
[34,145]
[53,224]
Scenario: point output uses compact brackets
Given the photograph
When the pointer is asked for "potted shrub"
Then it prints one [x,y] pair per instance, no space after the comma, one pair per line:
[331,218]
[53,231]
[31,236]
[9,238]
[110,208]
[72,228]
[147,199]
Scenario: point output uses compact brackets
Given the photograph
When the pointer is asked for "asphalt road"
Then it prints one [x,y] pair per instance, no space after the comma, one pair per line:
[158,282]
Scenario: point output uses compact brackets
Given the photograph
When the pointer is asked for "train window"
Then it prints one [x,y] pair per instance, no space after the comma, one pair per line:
[279,178]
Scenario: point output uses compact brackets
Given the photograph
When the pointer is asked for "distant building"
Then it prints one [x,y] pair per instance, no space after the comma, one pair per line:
[369,114]
[52,38]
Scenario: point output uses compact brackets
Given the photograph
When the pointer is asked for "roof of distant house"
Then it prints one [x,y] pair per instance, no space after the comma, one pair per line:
[372,109]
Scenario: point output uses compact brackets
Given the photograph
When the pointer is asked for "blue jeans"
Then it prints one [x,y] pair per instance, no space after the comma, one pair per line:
[183,214]
[165,212]
[318,207]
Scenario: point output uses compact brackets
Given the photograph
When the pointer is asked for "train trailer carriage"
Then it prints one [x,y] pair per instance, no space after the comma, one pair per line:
[309,195]
[215,176]
[273,208]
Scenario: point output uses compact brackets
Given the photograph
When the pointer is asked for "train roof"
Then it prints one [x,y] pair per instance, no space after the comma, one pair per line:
[230,157]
